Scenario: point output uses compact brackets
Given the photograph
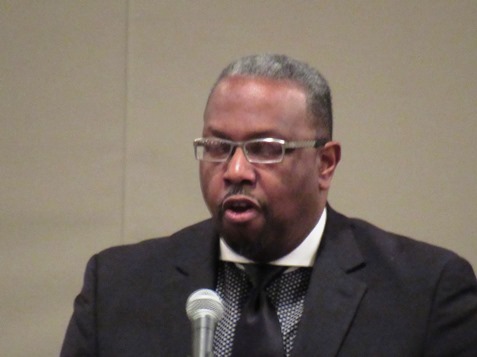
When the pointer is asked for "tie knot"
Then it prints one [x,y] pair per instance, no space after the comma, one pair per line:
[261,275]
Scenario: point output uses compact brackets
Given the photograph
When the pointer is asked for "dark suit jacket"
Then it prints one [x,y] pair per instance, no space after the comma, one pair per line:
[371,293]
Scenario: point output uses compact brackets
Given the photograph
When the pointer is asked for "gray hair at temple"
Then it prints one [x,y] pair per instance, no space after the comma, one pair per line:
[281,67]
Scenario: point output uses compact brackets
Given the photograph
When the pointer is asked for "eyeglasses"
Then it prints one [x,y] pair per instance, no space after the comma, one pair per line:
[260,151]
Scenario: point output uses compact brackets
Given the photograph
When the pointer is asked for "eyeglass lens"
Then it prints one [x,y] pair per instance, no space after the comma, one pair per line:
[217,150]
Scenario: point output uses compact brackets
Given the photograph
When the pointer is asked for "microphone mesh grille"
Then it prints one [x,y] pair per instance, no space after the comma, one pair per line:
[204,302]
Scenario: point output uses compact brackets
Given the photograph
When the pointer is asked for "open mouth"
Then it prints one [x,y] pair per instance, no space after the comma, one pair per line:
[239,206]
[240,209]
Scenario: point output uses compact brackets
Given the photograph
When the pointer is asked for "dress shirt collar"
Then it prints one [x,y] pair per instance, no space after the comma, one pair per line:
[302,256]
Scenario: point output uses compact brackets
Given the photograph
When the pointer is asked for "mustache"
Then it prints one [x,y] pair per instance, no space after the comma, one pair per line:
[238,190]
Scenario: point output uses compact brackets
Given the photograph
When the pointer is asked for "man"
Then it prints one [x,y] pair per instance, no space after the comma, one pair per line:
[267,159]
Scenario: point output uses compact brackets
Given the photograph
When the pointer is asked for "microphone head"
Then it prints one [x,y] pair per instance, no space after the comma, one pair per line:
[204,302]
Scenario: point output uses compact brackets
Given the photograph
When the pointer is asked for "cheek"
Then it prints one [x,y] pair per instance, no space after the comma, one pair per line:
[209,183]
[277,190]
[296,186]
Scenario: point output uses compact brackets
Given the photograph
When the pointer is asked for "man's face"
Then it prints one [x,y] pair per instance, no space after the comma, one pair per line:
[263,211]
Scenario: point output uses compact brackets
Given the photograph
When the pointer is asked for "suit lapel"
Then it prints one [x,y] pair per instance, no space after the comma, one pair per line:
[190,264]
[196,265]
[333,295]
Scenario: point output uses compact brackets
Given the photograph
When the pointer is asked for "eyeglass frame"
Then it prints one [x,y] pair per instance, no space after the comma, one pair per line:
[285,145]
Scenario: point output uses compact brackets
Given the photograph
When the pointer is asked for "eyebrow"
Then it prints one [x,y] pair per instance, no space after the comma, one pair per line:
[260,135]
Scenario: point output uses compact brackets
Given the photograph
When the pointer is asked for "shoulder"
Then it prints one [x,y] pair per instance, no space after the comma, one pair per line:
[373,240]
[426,290]
[161,249]
[385,250]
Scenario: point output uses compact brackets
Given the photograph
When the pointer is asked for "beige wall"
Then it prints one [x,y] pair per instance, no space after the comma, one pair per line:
[100,101]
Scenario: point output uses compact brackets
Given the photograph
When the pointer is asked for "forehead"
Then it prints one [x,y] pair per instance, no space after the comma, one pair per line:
[253,106]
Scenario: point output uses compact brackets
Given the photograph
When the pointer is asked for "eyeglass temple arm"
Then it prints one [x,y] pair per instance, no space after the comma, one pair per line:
[303,144]
[320,142]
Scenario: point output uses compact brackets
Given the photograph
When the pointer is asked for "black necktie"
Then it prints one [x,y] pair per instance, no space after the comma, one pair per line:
[258,333]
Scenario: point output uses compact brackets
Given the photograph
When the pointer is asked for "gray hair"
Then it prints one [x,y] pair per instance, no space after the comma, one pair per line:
[281,67]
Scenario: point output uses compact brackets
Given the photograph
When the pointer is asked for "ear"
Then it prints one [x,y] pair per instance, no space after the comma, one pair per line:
[330,156]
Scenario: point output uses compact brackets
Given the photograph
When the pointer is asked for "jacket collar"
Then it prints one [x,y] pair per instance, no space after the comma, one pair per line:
[334,293]
[196,255]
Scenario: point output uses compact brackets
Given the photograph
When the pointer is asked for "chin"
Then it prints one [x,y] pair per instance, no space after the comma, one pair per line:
[248,244]
[247,249]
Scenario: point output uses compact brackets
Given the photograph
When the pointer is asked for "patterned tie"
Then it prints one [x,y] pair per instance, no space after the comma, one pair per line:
[258,332]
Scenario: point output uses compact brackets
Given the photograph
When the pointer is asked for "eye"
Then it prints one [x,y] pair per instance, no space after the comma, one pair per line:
[264,149]
[216,148]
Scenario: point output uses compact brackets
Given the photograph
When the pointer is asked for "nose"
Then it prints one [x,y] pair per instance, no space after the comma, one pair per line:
[239,170]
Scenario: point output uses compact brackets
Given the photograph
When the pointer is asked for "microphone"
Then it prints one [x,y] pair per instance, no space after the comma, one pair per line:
[204,309]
